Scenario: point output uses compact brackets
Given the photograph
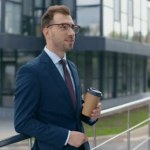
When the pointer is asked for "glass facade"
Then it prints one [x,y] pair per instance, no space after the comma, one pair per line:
[88,65]
[117,10]
[123,19]
[1,77]
[126,19]
[10,61]
[109,3]
[108,29]
[108,76]
[149,25]
[12,18]
[130,74]
[88,17]
[115,74]
[0,15]
[130,14]
[88,2]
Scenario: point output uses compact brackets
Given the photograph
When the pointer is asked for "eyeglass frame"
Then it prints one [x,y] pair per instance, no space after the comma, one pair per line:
[72,26]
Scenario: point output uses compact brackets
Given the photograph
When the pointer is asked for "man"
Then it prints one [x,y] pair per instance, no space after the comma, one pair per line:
[46,107]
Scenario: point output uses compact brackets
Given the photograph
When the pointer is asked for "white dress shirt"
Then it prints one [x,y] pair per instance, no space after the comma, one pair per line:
[55,59]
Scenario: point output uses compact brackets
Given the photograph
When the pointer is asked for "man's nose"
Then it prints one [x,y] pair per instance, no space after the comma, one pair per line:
[71,31]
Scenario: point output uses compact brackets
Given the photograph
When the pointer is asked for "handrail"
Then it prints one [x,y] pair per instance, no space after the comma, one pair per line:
[124,107]
[13,139]
[127,106]
[121,108]
[118,135]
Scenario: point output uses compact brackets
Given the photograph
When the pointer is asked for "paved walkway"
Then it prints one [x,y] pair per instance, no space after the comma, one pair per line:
[6,129]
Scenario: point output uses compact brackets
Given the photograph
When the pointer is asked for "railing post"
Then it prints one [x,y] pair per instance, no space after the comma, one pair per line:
[149,126]
[94,137]
[128,133]
[30,143]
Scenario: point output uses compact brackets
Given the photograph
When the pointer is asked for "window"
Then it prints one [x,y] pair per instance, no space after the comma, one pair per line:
[88,19]
[16,0]
[13,18]
[27,20]
[144,31]
[130,74]
[148,25]
[27,8]
[130,12]
[117,11]
[8,83]
[108,3]
[117,29]
[0,16]
[80,60]
[108,22]
[95,69]
[37,16]
[108,75]
[130,33]
[144,10]
[88,2]
[124,6]
[137,8]
[25,56]
[71,5]
[8,76]
[137,30]
[123,26]
[47,3]
[8,70]
[88,66]
[38,3]
[0,76]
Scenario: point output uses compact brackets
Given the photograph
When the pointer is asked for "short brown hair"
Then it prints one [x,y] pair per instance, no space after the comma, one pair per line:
[49,14]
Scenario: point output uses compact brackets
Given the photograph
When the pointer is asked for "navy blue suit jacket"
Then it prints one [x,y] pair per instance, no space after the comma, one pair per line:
[43,106]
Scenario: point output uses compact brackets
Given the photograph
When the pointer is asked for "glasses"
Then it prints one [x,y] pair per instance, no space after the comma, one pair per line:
[67,26]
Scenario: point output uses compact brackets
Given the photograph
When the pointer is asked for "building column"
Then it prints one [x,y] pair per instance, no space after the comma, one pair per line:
[145,70]
[1,77]
[115,60]
[2,9]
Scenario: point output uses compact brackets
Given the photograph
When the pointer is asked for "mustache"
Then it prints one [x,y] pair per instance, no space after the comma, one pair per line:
[70,38]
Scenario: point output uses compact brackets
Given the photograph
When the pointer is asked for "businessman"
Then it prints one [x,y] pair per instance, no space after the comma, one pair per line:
[48,101]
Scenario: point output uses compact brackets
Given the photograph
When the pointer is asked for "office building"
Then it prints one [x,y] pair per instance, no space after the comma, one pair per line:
[111,51]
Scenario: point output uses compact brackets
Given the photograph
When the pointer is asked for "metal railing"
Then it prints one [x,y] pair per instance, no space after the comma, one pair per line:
[15,139]
[125,107]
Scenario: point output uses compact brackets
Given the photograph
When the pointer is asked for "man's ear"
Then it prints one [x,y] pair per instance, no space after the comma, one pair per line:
[46,33]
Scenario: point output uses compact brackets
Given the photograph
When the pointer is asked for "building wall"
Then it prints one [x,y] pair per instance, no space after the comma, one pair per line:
[116,74]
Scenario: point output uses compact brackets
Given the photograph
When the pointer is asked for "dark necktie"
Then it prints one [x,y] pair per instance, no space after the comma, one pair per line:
[68,81]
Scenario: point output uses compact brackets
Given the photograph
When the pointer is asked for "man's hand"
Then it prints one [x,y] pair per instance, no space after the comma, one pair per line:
[96,113]
[76,139]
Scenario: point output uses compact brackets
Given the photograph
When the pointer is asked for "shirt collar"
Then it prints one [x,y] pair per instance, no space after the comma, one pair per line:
[55,58]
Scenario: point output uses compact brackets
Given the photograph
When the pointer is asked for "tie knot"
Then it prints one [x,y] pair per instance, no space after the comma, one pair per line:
[63,62]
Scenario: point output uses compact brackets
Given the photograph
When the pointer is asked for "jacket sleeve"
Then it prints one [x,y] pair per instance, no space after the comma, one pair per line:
[27,96]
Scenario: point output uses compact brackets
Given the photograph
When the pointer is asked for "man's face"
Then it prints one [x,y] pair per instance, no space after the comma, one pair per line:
[61,35]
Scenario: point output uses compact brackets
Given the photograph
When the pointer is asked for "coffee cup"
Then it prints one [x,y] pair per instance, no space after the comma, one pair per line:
[92,98]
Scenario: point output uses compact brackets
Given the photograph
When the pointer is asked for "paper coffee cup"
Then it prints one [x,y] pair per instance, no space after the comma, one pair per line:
[92,98]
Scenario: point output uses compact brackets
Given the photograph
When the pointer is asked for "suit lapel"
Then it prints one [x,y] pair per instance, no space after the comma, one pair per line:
[53,71]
